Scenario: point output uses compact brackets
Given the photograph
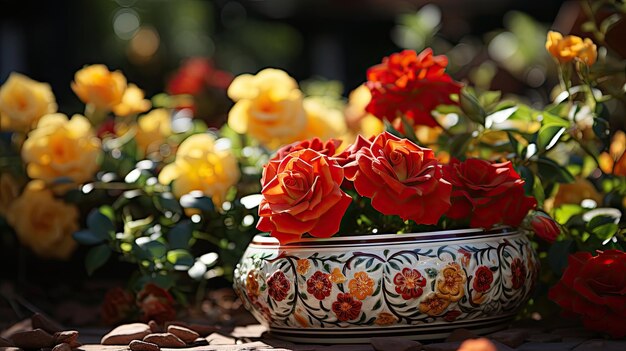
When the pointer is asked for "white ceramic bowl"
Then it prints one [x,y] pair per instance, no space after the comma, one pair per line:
[420,286]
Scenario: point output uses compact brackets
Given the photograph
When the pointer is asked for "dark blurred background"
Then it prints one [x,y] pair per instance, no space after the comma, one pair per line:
[335,39]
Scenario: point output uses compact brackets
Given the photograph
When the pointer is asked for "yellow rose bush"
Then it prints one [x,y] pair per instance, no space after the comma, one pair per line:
[44,223]
[132,103]
[202,164]
[23,102]
[268,107]
[152,130]
[61,147]
[100,87]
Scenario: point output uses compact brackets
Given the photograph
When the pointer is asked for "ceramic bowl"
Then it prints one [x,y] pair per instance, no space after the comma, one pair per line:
[420,286]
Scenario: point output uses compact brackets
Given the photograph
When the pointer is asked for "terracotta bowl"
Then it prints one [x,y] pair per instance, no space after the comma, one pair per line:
[420,286]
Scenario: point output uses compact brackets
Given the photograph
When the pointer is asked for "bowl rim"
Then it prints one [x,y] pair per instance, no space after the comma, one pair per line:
[265,239]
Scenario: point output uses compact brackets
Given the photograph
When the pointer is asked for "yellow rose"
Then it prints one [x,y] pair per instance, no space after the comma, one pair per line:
[133,102]
[59,147]
[44,223]
[322,121]
[268,107]
[565,49]
[202,164]
[9,191]
[615,160]
[23,101]
[152,130]
[97,85]
[576,192]
[357,119]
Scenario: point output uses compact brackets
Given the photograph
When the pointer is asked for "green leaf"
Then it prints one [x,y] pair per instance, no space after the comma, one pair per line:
[609,22]
[200,202]
[409,132]
[180,257]
[605,231]
[154,248]
[97,257]
[471,106]
[549,170]
[564,212]
[178,237]
[602,129]
[558,253]
[88,237]
[167,202]
[459,143]
[548,136]
[99,223]
[489,99]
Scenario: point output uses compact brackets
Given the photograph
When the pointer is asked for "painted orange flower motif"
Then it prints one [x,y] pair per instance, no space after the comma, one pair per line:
[252,285]
[450,284]
[336,276]
[433,305]
[385,318]
[302,266]
[361,286]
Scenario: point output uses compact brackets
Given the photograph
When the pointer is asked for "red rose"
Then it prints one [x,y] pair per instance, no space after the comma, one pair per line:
[594,288]
[278,286]
[483,279]
[346,307]
[401,178]
[117,306]
[319,285]
[487,193]
[410,84]
[156,304]
[327,148]
[301,193]
[195,74]
[545,227]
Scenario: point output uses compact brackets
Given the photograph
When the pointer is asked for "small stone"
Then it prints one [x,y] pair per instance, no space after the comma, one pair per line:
[126,333]
[461,335]
[43,322]
[33,339]
[200,342]
[62,347]
[138,345]
[5,343]
[480,344]
[68,336]
[510,337]
[219,339]
[10,349]
[165,340]
[543,337]
[20,326]
[154,327]
[395,343]
[202,329]
[185,334]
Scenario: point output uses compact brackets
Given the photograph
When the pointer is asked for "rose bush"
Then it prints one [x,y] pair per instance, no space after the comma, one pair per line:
[593,288]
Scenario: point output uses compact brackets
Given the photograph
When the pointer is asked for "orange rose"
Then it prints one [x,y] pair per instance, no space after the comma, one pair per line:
[565,49]
[97,85]
[301,193]
[401,178]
